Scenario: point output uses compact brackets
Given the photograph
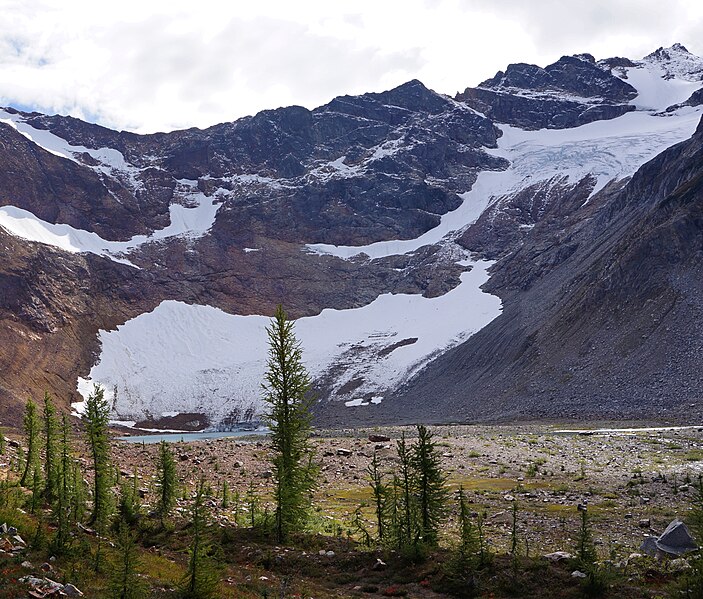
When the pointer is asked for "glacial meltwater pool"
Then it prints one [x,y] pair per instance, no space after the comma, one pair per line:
[186,437]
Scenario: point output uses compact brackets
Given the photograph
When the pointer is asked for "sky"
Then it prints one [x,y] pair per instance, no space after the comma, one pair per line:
[154,65]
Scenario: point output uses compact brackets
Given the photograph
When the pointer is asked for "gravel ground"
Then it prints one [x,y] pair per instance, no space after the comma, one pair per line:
[633,483]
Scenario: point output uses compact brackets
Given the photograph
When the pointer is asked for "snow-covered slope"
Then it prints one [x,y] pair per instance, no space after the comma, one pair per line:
[608,150]
[200,359]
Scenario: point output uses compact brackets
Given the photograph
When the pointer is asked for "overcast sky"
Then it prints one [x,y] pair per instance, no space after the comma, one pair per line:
[149,65]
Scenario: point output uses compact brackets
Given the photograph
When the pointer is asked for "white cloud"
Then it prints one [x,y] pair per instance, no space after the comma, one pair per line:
[159,65]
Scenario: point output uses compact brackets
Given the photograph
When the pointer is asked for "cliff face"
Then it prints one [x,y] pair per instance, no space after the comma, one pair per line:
[373,219]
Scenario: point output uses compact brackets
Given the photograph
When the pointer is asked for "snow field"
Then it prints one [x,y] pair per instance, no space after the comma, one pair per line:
[190,358]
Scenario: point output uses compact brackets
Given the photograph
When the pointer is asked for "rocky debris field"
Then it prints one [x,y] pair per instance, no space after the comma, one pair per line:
[633,483]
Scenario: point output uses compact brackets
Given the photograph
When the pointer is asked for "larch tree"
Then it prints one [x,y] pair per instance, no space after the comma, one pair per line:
[430,485]
[380,495]
[51,445]
[408,533]
[32,428]
[287,393]
[65,490]
[201,580]
[167,482]
[96,425]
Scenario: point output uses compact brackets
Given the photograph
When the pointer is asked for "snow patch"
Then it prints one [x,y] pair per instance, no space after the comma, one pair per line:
[110,160]
[190,358]
[192,222]
[656,93]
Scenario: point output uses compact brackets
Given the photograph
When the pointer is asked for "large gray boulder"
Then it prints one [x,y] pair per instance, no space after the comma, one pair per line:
[675,540]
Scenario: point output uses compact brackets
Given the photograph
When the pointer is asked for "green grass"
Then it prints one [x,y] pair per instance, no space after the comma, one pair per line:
[694,455]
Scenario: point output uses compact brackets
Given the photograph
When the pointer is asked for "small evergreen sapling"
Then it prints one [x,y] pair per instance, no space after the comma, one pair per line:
[125,582]
[64,507]
[51,457]
[430,483]
[380,495]
[129,508]
[460,577]
[97,419]
[408,534]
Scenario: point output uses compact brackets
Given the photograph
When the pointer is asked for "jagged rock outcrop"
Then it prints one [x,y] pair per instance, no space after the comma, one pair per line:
[573,91]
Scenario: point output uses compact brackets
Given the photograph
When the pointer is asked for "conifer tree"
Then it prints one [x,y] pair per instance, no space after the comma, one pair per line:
[469,545]
[393,531]
[32,427]
[125,582]
[62,506]
[225,495]
[167,482]
[252,504]
[407,518]
[460,569]
[2,444]
[129,507]
[97,420]
[36,488]
[430,481]
[19,463]
[585,548]
[79,494]
[380,494]
[50,426]
[286,391]
[201,580]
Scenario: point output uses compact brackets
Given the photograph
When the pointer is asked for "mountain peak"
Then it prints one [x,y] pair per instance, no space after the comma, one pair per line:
[677,62]
[665,54]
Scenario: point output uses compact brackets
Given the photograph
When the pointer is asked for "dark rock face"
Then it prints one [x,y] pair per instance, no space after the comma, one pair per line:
[577,75]
[60,190]
[352,171]
[359,169]
[696,99]
[573,91]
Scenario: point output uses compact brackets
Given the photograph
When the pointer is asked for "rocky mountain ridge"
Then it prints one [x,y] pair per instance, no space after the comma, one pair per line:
[372,219]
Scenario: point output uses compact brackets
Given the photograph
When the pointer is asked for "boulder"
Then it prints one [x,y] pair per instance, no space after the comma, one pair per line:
[558,556]
[379,438]
[71,591]
[675,540]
